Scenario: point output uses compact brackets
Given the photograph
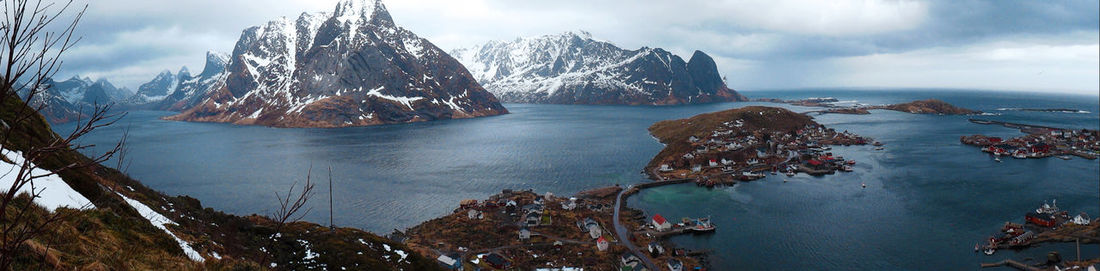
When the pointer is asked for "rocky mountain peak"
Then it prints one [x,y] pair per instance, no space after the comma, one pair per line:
[183,73]
[356,11]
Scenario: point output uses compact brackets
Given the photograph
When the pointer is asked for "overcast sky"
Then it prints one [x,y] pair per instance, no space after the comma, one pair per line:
[1049,46]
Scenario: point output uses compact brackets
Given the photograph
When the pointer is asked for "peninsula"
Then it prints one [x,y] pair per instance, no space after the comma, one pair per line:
[742,143]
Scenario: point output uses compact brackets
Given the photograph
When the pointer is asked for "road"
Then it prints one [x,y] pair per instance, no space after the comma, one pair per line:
[624,235]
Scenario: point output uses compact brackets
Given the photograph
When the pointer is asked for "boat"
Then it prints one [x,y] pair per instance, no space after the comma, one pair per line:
[1064,157]
[864,185]
[990,251]
[998,159]
[877,143]
[977,247]
[879,148]
[1019,155]
[846,168]
[851,162]
[790,173]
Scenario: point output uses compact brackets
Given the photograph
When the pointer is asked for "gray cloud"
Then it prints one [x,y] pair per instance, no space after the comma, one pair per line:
[766,44]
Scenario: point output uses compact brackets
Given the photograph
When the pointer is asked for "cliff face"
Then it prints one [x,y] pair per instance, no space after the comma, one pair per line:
[352,67]
[574,68]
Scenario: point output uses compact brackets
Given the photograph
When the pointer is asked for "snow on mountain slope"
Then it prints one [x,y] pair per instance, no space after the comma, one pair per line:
[351,67]
[574,68]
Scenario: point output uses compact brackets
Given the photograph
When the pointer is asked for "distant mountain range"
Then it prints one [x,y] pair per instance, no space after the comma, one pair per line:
[74,98]
[351,67]
[574,68]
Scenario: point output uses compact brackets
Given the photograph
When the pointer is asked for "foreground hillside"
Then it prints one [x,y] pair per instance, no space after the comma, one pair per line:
[132,227]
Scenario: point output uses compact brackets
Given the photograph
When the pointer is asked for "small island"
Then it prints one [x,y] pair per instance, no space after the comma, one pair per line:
[743,144]
[930,106]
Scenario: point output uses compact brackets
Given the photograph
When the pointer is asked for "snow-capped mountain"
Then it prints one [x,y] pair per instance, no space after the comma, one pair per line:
[574,68]
[65,101]
[351,67]
[181,91]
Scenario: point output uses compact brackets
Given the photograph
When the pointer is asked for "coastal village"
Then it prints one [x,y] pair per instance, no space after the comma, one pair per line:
[748,143]
[1046,224]
[1038,142]
[523,230]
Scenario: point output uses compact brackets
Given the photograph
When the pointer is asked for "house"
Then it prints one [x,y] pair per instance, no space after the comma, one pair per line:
[448,262]
[510,206]
[693,139]
[660,223]
[1043,220]
[569,205]
[1081,219]
[726,162]
[592,227]
[474,214]
[675,265]
[533,208]
[629,260]
[696,168]
[601,244]
[524,234]
[689,156]
[496,261]
[531,219]
[713,163]
[665,168]
[655,249]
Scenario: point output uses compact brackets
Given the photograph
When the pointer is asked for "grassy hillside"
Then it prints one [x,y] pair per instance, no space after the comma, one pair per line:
[113,236]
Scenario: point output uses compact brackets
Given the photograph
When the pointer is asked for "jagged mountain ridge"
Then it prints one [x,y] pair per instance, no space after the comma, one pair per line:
[181,91]
[65,101]
[574,68]
[351,67]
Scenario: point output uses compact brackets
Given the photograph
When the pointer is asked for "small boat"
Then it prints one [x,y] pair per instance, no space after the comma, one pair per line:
[1064,157]
[990,251]
[1019,155]
[851,162]
[998,159]
[846,168]
[790,173]
[879,148]
[877,143]
[977,247]
[864,185]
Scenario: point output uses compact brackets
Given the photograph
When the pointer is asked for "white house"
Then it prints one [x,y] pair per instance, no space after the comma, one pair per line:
[689,156]
[665,168]
[1081,219]
[660,223]
[524,234]
[601,244]
[713,163]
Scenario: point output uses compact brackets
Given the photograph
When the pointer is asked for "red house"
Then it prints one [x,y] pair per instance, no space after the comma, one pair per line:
[1044,220]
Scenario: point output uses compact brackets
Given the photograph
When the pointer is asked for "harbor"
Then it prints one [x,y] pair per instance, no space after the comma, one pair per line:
[1046,224]
[1038,142]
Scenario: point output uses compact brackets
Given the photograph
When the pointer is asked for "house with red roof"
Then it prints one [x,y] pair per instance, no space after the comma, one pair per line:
[660,223]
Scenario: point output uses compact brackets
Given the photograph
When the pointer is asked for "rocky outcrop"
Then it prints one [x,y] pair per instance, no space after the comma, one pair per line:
[574,68]
[352,67]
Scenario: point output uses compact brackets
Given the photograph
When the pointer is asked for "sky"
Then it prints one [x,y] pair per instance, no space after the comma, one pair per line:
[1042,46]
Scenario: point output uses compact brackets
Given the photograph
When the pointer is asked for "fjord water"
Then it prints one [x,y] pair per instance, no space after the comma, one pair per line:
[929,198]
